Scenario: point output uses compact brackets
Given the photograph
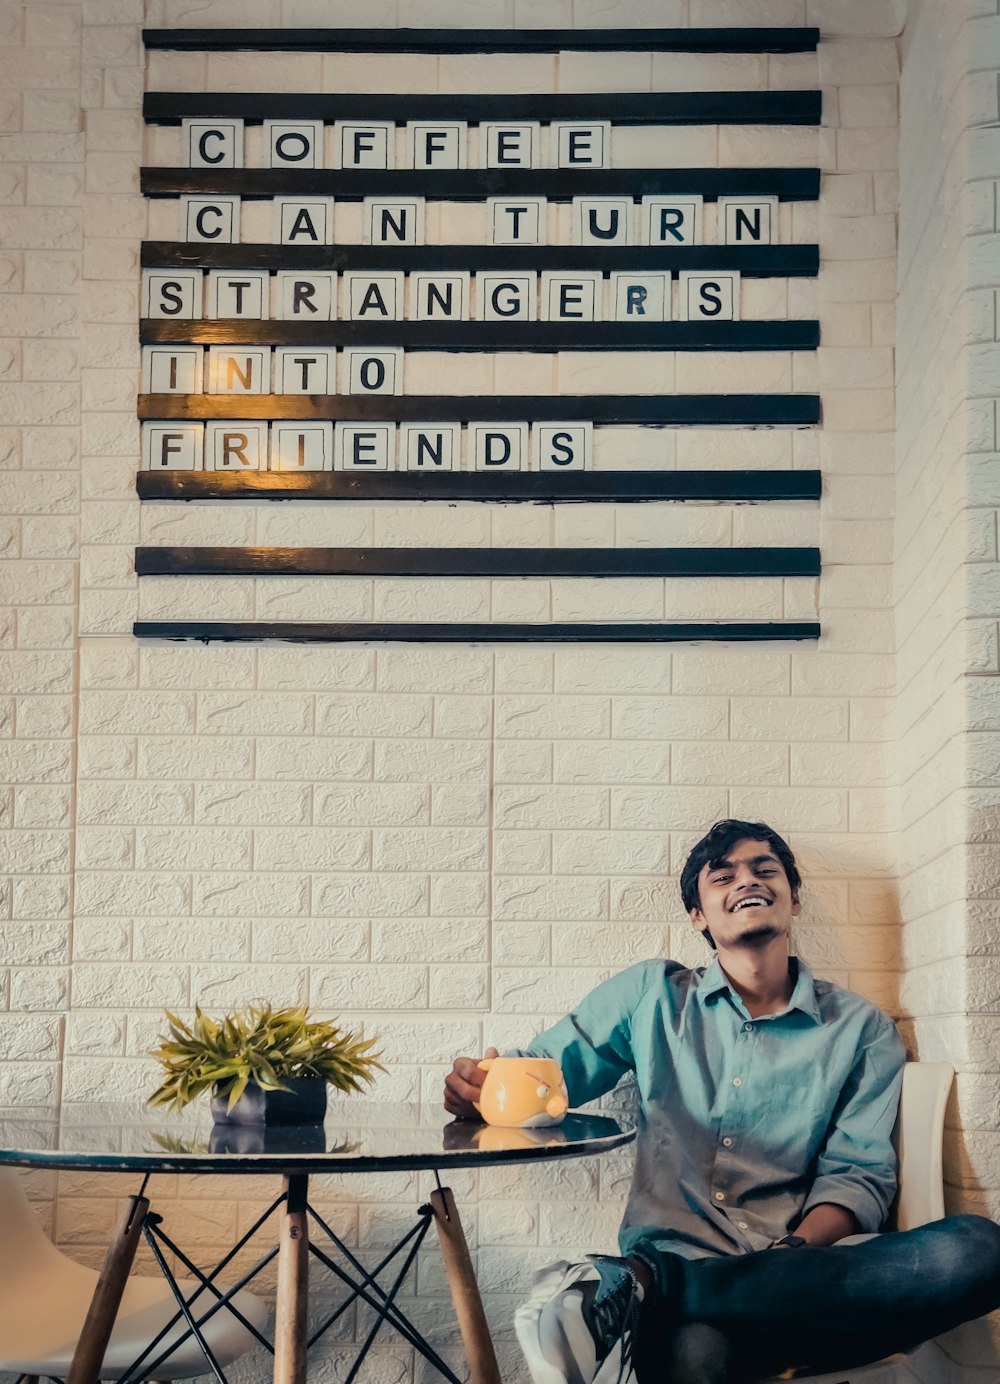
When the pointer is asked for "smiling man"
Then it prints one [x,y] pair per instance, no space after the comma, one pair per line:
[764,1164]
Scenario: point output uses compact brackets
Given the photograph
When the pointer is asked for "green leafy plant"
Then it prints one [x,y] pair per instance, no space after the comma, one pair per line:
[258,1044]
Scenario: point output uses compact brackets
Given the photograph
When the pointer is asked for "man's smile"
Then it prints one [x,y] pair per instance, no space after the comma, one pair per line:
[751,901]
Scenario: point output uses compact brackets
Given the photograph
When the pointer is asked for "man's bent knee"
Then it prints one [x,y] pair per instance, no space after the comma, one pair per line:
[980,1240]
[701,1353]
[965,1250]
[696,1353]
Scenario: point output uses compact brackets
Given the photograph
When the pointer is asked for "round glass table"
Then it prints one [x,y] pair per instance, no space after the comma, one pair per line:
[357,1136]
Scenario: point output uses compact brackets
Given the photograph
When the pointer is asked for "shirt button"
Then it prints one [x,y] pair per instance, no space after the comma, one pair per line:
[727,1142]
[742,1225]
[737,1081]
[720,1196]
[748,1028]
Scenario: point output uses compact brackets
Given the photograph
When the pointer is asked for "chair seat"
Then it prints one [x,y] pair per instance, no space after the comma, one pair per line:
[37,1341]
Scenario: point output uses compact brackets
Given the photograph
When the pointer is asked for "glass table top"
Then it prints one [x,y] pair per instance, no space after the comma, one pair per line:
[358,1136]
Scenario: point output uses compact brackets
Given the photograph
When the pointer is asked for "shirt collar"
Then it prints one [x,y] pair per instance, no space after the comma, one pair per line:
[713,981]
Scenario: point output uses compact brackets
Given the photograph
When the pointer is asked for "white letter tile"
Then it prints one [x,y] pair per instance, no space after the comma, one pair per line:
[517,220]
[440,297]
[236,445]
[172,369]
[172,292]
[238,293]
[305,370]
[748,221]
[294,143]
[211,219]
[213,143]
[365,446]
[672,220]
[709,297]
[172,446]
[239,370]
[563,446]
[394,220]
[366,143]
[376,371]
[640,297]
[302,221]
[301,446]
[498,446]
[307,297]
[504,297]
[430,447]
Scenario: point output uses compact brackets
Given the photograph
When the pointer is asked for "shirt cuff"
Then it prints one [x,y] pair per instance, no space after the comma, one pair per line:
[862,1203]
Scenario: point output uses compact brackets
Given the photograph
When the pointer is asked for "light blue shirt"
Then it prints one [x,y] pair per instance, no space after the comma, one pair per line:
[744,1124]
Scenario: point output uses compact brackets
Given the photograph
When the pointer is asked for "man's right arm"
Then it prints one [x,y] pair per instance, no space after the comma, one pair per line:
[592,1044]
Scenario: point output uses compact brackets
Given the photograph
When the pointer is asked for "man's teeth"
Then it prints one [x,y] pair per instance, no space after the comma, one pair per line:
[750,903]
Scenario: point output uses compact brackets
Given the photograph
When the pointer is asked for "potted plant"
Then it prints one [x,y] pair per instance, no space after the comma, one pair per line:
[263,1065]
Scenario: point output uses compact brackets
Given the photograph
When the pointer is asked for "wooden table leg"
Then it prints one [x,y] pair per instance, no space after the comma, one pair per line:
[100,1320]
[293,1284]
[479,1353]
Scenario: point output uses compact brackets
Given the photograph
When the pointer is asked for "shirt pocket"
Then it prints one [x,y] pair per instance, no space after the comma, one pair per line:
[797,1114]
[785,1091]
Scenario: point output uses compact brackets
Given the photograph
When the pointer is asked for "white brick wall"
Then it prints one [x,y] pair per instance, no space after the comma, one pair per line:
[448,846]
[41,230]
[946,603]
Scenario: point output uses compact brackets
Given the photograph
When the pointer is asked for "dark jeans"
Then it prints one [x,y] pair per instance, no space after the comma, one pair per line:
[717,1320]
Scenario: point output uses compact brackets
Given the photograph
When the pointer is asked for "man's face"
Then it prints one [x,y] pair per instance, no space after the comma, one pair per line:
[746,900]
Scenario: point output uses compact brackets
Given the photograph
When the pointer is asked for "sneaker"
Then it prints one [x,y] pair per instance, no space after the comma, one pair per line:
[575,1316]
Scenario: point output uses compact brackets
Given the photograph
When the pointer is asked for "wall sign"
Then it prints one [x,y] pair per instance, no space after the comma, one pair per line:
[277,367]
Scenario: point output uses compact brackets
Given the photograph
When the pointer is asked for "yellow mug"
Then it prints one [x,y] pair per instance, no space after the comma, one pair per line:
[522,1092]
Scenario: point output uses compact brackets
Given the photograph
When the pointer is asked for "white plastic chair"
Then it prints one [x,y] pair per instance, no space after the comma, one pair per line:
[919,1136]
[44,1296]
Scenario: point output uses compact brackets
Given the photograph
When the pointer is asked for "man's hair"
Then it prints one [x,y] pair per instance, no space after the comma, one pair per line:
[715,845]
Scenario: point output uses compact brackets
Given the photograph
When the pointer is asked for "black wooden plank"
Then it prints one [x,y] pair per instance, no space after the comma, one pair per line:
[621,108]
[490,336]
[538,487]
[798,410]
[479,562]
[294,632]
[472,184]
[752,261]
[402,40]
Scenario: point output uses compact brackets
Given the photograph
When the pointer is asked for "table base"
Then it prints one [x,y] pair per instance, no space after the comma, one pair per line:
[294,1248]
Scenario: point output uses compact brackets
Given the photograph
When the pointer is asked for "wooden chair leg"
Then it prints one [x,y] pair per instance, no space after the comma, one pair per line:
[472,1323]
[100,1320]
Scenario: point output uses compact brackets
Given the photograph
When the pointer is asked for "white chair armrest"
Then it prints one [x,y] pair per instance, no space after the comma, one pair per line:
[921,1130]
